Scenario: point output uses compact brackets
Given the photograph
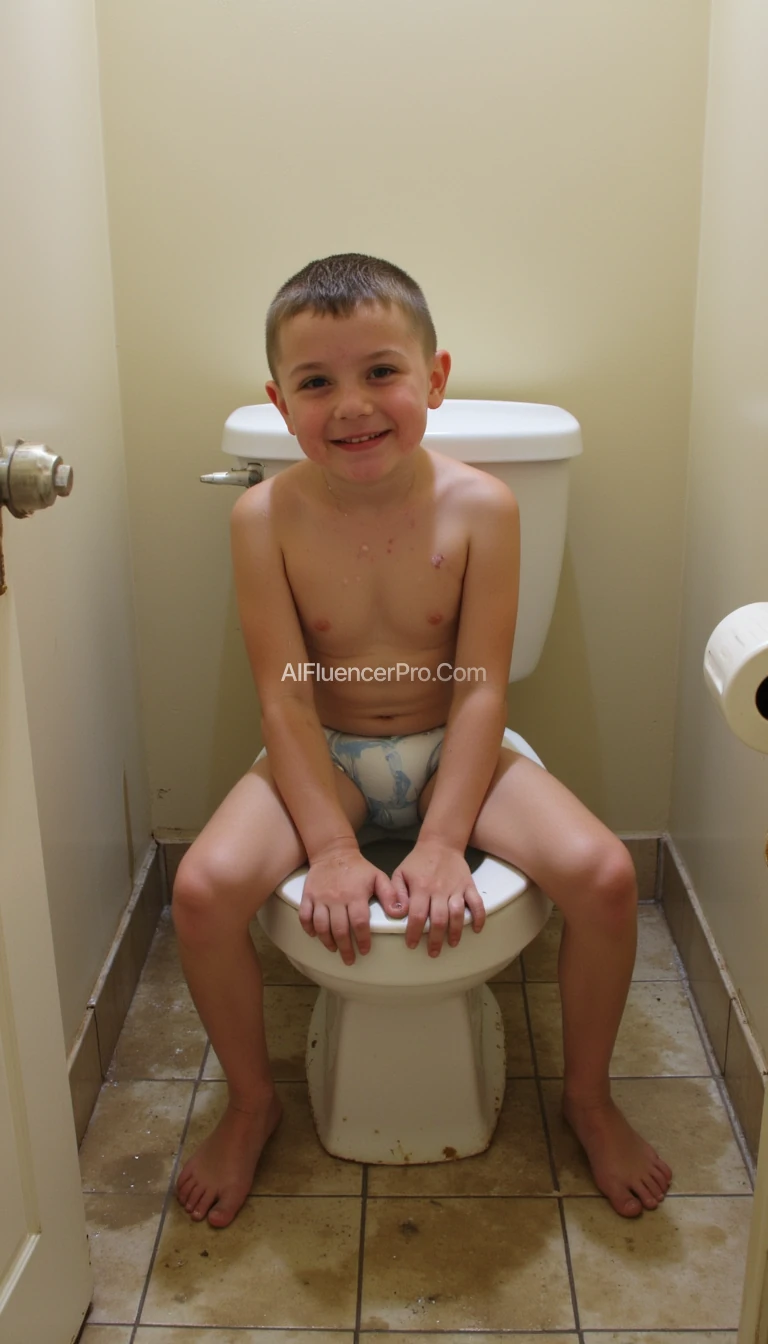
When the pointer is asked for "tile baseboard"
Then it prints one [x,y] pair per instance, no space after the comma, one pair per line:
[645,851]
[92,1051]
[739,1058]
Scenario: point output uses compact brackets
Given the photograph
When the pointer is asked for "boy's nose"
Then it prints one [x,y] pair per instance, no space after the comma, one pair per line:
[352,403]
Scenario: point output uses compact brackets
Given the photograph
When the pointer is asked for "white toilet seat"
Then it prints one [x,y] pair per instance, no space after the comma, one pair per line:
[498,882]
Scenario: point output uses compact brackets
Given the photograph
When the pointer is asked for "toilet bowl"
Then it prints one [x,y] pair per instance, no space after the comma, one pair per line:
[405,1052]
[405,1055]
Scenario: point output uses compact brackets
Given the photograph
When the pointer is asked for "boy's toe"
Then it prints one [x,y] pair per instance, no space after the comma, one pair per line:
[203,1203]
[628,1206]
[648,1199]
[223,1212]
[663,1173]
[184,1185]
[623,1200]
[656,1185]
[194,1195]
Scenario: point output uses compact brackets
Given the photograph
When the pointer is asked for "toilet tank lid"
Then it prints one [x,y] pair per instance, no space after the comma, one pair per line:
[474,431]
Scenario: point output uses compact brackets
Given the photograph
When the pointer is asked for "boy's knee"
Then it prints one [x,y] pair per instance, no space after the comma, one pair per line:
[614,884]
[602,887]
[203,899]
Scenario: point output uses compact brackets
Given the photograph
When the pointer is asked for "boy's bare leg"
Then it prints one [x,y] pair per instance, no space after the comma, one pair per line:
[249,846]
[532,821]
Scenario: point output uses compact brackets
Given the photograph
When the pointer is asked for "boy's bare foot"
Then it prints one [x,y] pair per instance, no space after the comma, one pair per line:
[627,1170]
[217,1178]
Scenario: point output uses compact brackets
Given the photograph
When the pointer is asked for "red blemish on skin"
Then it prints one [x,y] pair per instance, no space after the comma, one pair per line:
[435,618]
[437,560]
[322,624]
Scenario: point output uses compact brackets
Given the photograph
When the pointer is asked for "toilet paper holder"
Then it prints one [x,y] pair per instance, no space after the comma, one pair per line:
[736,672]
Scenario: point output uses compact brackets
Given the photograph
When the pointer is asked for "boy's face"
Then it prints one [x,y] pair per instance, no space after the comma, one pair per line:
[355,390]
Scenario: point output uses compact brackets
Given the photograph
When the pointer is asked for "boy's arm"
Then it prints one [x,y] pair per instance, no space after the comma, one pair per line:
[340,881]
[478,710]
[298,752]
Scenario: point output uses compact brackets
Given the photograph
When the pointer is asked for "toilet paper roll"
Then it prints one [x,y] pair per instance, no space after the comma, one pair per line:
[736,671]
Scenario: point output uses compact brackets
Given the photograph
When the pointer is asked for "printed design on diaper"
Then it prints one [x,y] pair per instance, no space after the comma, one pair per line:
[390,772]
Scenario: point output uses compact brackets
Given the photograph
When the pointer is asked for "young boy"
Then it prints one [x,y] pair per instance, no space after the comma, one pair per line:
[372,553]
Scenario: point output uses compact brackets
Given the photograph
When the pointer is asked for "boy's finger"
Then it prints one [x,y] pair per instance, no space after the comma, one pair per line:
[455,918]
[417,918]
[306,916]
[393,896]
[475,905]
[438,926]
[322,926]
[340,931]
[360,921]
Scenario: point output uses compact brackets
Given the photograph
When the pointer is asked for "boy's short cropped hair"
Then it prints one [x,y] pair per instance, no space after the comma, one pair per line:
[337,286]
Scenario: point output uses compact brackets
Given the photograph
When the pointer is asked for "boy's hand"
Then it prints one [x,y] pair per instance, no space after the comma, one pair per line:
[436,881]
[337,889]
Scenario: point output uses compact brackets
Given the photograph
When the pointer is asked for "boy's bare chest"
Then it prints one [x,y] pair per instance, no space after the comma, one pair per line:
[355,585]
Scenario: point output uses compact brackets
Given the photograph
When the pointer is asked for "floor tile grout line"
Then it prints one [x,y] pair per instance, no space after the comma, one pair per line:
[361,1252]
[675,979]
[169,1194]
[478,1194]
[552,1163]
[510,1077]
[566,1332]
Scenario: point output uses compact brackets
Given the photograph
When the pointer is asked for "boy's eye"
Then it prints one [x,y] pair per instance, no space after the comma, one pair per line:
[382,371]
[310,383]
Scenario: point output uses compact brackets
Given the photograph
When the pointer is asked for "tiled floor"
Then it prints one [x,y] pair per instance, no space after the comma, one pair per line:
[516,1240]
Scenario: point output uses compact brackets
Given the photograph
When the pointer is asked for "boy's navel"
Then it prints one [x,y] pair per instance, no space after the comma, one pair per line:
[437,560]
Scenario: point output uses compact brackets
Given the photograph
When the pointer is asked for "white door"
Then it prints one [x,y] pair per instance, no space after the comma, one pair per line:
[45,1275]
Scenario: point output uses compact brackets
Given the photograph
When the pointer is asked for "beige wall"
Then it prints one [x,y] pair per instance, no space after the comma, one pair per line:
[70,567]
[536,165]
[719,814]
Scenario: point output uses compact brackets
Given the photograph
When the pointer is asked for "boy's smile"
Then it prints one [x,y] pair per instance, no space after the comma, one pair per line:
[355,390]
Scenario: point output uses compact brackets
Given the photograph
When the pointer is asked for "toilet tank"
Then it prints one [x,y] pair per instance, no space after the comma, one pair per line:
[526,445]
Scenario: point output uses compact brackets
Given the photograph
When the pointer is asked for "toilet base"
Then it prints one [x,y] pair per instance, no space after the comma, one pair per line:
[417,1081]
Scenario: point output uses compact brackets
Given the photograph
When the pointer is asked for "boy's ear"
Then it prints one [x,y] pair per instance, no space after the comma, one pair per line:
[278,400]
[438,379]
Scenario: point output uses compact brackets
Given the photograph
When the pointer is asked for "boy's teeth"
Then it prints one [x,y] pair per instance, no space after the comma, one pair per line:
[362,438]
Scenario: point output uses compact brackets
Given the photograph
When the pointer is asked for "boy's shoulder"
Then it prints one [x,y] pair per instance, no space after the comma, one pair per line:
[280,491]
[469,487]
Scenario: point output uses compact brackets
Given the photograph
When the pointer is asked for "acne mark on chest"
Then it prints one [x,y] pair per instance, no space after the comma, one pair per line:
[321,625]
[435,617]
[437,560]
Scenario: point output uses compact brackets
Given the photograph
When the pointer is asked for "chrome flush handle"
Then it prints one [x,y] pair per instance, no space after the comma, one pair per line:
[250,475]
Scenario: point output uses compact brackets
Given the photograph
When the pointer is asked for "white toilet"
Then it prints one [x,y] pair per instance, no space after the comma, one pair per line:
[405,1056]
